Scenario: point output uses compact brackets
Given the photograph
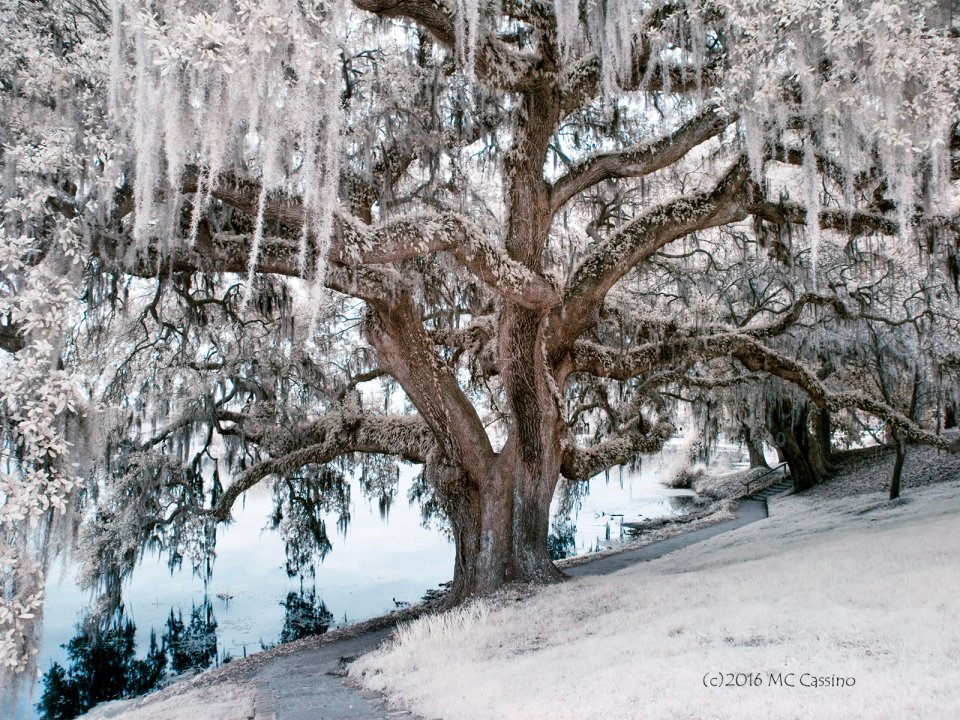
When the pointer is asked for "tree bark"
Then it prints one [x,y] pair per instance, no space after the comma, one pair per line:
[822,433]
[504,537]
[949,417]
[898,469]
[500,533]
[821,453]
[900,442]
[754,449]
[789,426]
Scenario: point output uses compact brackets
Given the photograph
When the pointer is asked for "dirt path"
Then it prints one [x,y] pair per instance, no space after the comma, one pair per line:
[305,680]
[308,685]
[748,511]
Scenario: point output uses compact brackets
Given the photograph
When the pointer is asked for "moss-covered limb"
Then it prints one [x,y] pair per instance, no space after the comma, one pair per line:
[641,159]
[582,463]
[681,347]
[610,259]
[852,223]
[606,362]
[334,434]
[420,234]
[435,16]
[757,357]
[827,166]
[354,249]
[475,342]
[650,70]
[356,243]
[406,436]
[230,253]
[672,347]
[224,252]
[473,337]
[791,315]
[580,80]
[683,378]
[668,356]
[495,62]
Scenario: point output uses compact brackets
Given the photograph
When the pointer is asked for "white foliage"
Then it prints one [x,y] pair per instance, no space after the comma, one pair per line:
[44,136]
[870,78]
[876,79]
[249,93]
[248,87]
[36,396]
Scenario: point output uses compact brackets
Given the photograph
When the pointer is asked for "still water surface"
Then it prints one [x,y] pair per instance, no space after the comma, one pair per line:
[376,565]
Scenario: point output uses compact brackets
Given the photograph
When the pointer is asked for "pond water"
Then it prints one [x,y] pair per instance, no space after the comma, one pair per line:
[377,565]
[624,495]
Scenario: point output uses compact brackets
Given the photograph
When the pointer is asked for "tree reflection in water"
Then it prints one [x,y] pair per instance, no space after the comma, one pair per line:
[304,615]
[193,645]
[103,666]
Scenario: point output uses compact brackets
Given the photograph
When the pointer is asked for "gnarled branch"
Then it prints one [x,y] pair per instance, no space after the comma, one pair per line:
[403,238]
[495,62]
[641,159]
[757,357]
[406,352]
[610,259]
[324,440]
[582,463]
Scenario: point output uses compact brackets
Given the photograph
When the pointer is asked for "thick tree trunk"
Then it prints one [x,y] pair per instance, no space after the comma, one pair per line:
[498,503]
[500,534]
[754,449]
[822,439]
[789,426]
[949,417]
[898,468]
[898,439]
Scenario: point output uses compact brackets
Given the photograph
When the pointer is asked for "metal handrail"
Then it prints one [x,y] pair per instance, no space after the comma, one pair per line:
[761,477]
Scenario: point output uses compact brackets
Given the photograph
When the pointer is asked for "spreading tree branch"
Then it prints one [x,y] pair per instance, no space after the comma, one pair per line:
[851,222]
[407,353]
[757,357]
[495,61]
[608,260]
[641,159]
[582,463]
[680,346]
[411,236]
[324,440]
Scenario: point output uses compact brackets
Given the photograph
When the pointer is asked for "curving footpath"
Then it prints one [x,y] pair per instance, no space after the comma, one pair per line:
[310,684]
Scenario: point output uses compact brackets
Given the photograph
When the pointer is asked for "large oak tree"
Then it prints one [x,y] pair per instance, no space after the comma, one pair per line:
[500,240]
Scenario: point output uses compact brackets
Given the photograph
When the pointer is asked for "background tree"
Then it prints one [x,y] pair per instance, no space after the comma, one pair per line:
[310,239]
